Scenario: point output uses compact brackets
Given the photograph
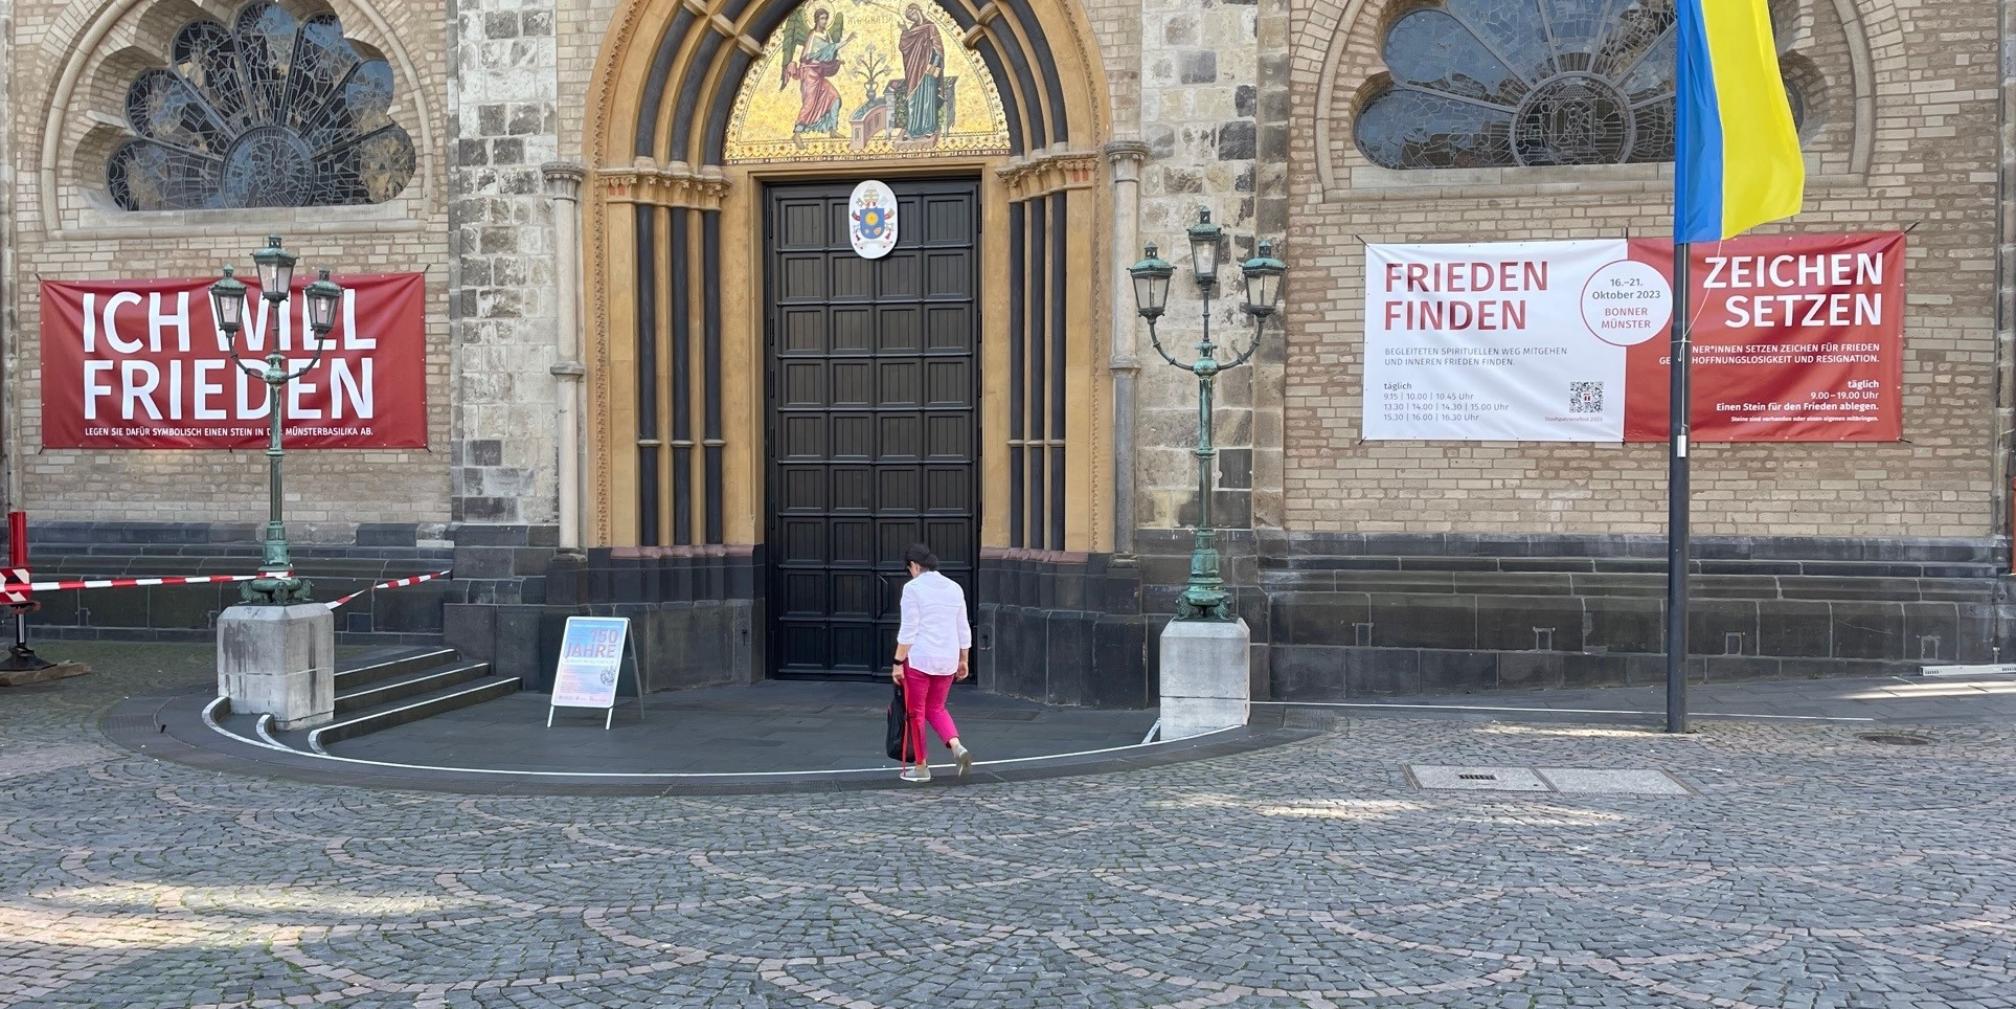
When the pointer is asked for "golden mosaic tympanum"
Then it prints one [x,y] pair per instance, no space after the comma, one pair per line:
[850,79]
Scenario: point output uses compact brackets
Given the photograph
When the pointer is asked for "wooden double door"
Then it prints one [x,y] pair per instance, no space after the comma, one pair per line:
[873,422]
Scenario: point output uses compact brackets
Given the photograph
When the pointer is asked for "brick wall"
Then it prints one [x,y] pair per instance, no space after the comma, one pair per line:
[1927,76]
[1117,29]
[8,279]
[328,492]
[581,25]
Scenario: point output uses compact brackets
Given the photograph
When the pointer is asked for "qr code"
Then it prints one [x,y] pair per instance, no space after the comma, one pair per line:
[1585,397]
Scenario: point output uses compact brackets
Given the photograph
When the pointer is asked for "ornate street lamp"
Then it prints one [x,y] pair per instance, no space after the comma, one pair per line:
[276,583]
[1205,597]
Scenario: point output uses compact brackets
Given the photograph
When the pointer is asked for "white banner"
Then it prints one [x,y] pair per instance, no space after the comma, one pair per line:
[1512,341]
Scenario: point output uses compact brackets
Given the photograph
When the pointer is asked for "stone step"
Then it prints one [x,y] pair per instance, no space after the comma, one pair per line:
[411,709]
[383,666]
[390,689]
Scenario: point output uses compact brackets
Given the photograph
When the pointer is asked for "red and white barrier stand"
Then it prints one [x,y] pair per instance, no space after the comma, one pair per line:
[20,658]
[22,666]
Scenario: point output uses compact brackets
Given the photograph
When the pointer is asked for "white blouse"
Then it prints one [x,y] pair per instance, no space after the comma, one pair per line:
[934,623]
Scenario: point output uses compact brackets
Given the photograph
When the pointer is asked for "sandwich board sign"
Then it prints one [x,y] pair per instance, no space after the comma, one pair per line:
[591,661]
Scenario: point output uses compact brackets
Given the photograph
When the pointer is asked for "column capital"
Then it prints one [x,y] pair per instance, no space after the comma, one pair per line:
[671,184]
[563,179]
[1126,149]
[1053,172]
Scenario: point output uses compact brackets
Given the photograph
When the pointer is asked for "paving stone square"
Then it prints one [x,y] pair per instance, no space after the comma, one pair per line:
[1589,779]
[1811,869]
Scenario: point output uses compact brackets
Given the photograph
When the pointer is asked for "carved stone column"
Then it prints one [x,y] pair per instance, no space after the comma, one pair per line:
[1126,157]
[563,186]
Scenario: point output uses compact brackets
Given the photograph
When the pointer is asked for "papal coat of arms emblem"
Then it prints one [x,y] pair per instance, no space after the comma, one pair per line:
[871,220]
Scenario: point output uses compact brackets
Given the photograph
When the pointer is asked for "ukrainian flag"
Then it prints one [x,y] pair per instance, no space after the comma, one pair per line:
[1737,161]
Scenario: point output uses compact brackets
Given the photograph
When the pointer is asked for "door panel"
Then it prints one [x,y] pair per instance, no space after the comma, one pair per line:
[872,390]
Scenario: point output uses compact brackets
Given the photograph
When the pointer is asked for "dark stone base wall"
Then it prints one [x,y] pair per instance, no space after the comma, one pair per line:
[1062,628]
[696,613]
[1333,617]
[1367,616]
[97,550]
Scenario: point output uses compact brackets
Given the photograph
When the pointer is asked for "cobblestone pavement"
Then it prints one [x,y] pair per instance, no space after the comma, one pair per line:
[1809,868]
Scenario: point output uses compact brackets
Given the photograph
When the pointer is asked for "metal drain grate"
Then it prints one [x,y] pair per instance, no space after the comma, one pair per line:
[1564,780]
[1474,777]
[1894,739]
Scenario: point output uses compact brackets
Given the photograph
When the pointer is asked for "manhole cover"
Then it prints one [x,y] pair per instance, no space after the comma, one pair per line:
[1893,739]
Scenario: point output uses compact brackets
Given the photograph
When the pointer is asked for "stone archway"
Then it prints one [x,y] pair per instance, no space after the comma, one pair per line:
[674,267]
[671,250]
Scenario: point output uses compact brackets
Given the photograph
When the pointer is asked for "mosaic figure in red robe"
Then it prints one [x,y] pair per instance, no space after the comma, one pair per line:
[812,58]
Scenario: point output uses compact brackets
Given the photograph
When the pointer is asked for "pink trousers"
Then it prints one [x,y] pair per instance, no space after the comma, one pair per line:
[924,697]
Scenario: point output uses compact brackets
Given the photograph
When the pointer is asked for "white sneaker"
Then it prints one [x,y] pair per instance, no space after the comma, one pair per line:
[965,758]
[916,774]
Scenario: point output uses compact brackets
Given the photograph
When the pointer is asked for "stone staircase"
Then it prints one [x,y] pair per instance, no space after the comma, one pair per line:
[382,689]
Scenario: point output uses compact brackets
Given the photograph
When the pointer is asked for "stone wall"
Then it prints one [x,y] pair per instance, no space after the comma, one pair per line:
[1901,132]
[1199,116]
[64,226]
[503,102]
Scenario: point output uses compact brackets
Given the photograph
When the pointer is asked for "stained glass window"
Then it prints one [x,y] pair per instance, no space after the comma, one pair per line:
[1503,83]
[269,111]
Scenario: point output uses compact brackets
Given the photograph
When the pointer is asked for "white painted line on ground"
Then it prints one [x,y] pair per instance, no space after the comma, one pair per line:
[210,719]
[1152,730]
[1552,711]
[264,727]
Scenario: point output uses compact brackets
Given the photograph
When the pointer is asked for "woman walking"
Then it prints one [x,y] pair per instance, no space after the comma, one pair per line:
[931,652]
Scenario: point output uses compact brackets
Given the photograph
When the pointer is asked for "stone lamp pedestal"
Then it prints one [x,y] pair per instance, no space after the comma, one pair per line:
[1205,677]
[279,661]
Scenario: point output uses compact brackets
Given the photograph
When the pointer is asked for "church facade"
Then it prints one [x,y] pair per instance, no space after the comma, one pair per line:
[661,379]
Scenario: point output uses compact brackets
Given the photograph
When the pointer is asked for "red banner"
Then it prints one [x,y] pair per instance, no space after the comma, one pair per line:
[143,364]
[1796,338]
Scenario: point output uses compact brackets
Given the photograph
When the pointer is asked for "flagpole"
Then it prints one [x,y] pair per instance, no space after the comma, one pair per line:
[1677,495]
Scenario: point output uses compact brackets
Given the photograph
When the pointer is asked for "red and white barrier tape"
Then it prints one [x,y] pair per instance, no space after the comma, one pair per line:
[396,583]
[16,591]
[122,583]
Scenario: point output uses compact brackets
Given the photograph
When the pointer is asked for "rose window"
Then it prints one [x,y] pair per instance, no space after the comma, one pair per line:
[271,111]
[1503,83]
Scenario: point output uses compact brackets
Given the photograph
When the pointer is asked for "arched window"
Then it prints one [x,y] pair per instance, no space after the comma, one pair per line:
[1504,83]
[270,111]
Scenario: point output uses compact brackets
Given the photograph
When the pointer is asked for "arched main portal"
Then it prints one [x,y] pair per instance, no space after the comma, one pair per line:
[679,264]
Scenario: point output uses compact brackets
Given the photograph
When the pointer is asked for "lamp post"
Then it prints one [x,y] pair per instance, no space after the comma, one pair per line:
[1205,598]
[276,584]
